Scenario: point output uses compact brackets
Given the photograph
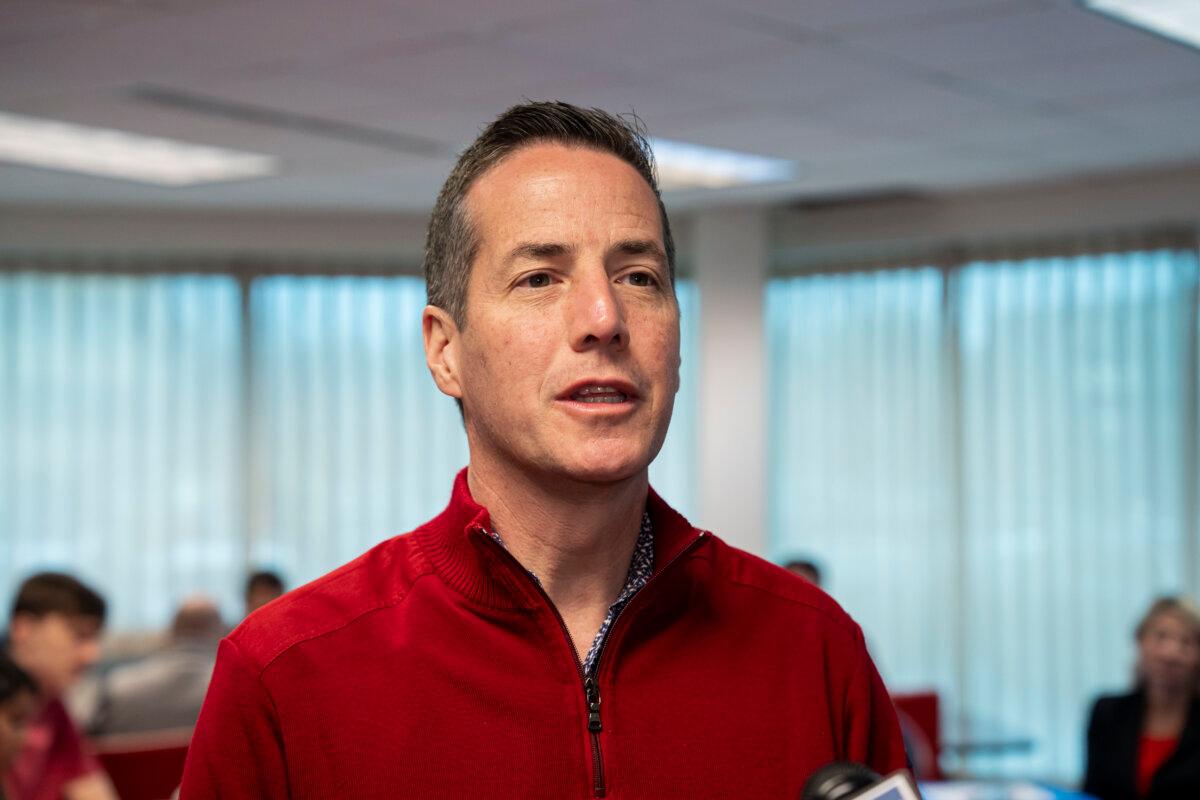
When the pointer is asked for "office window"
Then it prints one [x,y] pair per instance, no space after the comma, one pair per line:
[997,462]
[119,413]
[353,443]
[1075,415]
[859,455]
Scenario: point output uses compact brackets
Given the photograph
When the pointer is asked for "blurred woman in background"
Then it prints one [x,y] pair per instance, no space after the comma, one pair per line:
[1146,744]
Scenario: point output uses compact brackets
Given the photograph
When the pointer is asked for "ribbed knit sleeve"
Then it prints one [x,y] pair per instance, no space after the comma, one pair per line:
[236,749]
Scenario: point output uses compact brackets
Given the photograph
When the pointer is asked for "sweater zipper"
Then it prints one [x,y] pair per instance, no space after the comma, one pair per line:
[591,685]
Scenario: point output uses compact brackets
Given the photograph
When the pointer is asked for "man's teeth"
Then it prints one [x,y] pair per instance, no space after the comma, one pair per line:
[599,394]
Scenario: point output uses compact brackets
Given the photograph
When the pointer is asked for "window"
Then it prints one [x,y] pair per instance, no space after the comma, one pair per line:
[997,464]
[119,415]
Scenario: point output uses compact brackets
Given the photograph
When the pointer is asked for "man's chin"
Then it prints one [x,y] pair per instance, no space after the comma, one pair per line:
[603,471]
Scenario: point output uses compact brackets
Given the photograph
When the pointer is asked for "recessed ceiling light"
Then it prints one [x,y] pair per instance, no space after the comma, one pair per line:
[692,166]
[127,156]
[1174,19]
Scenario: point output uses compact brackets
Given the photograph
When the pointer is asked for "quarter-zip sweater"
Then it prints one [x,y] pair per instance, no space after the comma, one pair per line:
[434,666]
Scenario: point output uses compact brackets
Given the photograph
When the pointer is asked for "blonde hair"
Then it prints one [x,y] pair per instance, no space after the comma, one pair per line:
[1183,608]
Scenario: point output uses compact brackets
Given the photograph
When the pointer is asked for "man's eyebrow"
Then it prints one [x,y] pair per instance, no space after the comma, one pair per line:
[540,250]
[640,247]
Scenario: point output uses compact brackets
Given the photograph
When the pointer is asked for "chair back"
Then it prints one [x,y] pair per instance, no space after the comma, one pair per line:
[144,766]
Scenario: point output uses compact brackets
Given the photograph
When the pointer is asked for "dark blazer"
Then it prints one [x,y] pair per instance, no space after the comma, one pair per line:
[1112,751]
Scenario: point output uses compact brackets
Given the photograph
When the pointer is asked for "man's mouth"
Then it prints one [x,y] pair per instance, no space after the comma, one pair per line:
[601,391]
[599,394]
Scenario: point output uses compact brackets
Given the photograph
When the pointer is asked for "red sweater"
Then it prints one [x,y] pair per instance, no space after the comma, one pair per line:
[433,666]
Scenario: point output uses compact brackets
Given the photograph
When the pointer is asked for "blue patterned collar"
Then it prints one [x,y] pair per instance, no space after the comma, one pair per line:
[641,567]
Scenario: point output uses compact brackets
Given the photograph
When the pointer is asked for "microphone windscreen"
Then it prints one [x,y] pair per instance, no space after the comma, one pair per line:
[838,780]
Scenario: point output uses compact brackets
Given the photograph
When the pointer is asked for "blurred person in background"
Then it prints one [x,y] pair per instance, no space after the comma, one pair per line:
[806,569]
[18,702]
[165,689]
[54,636]
[261,588]
[1146,744]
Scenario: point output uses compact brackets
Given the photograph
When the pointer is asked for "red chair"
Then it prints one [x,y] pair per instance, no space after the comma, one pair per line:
[144,766]
[920,722]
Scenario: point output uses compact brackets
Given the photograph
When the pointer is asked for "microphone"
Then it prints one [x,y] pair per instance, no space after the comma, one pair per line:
[845,780]
[839,780]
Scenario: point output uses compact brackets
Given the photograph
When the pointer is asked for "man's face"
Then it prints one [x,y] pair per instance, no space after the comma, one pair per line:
[15,714]
[568,361]
[56,649]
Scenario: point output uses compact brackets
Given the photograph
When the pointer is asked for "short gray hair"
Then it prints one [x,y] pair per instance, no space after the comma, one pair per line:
[452,241]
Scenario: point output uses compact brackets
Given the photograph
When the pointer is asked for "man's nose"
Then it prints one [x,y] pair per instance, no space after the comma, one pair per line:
[595,315]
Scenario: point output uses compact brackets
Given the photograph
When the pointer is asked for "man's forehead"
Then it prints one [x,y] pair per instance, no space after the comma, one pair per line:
[553,179]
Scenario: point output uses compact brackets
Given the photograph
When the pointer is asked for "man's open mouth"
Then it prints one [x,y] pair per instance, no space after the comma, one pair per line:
[599,394]
[601,390]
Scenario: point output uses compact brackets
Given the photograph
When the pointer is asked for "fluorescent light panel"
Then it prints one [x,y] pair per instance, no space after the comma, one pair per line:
[1175,19]
[128,156]
[692,166]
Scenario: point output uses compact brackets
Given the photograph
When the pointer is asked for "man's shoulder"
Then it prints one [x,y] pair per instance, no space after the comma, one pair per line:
[784,592]
[377,579]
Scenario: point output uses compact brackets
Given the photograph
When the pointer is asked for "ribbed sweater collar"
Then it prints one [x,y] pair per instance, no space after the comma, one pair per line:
[460,551]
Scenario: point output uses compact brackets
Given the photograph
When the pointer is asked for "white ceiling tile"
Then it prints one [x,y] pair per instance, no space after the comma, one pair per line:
[474,71]
[1023,34]
[656,37]
[312,92]
[800,76]
[1097,74]
[843,15]
[913,108]
[25,20]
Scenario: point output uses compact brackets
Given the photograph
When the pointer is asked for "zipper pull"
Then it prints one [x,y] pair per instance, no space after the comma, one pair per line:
[592,693]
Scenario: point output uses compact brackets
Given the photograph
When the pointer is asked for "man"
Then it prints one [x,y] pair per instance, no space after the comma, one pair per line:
[261,588]
[558,631]
[53,635]
[165,689]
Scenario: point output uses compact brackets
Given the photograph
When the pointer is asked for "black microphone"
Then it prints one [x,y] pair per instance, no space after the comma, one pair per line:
[845,780]
[839,780]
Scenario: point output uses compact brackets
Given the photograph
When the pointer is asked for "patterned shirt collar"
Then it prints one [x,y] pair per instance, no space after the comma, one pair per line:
[641,567]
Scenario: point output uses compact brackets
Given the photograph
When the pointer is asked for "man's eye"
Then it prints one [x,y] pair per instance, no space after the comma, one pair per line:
[640,279]
[538,280]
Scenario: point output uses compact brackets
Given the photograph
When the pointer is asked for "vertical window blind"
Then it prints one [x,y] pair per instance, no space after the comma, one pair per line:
[163,434]
[997,464]
[119,407]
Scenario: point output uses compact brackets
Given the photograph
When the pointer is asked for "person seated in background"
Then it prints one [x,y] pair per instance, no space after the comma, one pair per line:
[18,702]
[1146,744]
[165,689]
[805,569]
[54,635]
[261,588]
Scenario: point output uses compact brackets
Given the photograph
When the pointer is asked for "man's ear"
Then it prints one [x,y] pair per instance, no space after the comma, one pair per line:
[442,340]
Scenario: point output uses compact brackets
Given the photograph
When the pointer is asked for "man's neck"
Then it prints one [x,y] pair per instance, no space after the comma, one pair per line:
[577,538]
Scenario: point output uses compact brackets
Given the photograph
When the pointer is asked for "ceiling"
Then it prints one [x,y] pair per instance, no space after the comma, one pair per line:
[366,101]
